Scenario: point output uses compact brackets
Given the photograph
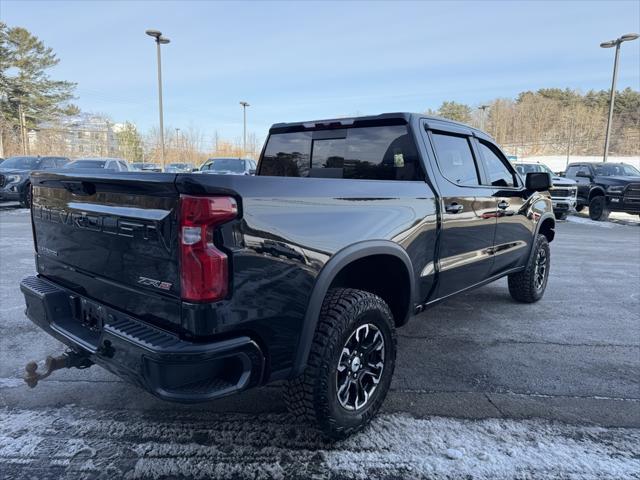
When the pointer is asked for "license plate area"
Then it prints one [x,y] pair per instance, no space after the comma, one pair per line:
[90,315]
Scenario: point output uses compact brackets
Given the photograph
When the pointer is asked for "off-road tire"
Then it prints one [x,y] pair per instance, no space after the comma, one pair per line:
[579,208]
[25,202]
[312,396]
[522,285]
[598,209]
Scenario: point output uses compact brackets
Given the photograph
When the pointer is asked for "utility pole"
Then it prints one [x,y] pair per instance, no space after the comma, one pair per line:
[482,118]
[23,130]
[614,43]
[569,140]
[244,131]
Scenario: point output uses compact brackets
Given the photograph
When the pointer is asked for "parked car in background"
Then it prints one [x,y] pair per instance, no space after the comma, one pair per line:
[179,168]
[229,166]
[15,183]
[135,167]
[111,164]
[563,192]
[606,187]
[150,167]
[302,273]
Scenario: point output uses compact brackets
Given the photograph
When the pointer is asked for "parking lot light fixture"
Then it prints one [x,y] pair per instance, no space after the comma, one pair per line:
[244,129]
[610,44]
[160,40]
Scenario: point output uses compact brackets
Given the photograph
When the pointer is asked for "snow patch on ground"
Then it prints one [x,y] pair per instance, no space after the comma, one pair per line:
[588,221]
[11,382]
[80,443]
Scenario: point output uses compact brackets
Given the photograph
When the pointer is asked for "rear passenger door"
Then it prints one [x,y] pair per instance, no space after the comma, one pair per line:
[514,229]
[468,213]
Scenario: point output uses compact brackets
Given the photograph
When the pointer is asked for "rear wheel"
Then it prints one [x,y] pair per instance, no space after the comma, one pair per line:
[579,208]
[528,286]
[598,209]
[350,365]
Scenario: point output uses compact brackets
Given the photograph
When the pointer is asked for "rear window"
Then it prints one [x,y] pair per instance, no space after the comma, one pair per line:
[86,164]
[367,153]
[227,165]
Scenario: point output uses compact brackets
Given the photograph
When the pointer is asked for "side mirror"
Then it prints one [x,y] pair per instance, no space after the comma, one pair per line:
[538,181]
[583,174]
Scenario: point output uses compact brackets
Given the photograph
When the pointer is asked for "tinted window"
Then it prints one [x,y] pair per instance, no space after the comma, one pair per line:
[86,164]
[572,170]
[455,159]
[287,155]
[525,168]
[61,162]
[47,162]
[24,163]
[227,165]
[369,153]
[123,166]
[616,169]
[498,173]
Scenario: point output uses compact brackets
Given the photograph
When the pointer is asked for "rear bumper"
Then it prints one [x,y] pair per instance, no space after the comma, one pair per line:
[158,361]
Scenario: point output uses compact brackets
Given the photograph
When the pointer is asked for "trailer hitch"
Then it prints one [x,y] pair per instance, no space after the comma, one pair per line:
[69,359]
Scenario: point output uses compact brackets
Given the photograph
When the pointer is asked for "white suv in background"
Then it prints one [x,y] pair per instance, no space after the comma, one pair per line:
[563,192]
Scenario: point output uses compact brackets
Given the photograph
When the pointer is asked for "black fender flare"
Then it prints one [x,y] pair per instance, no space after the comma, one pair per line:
[593,190]
[323,281]
[543,218]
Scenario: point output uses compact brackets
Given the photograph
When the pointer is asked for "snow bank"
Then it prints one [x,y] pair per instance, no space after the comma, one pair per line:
[80,443]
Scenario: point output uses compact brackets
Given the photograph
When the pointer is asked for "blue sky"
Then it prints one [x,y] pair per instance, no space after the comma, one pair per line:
[302,60]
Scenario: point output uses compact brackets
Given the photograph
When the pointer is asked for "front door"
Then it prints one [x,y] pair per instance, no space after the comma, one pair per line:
[468,215]
[583,181]
[512,241]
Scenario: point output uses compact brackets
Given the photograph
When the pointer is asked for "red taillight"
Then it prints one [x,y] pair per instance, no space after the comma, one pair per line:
[203,268]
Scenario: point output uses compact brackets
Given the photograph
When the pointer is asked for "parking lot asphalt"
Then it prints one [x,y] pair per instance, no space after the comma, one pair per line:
[573,357]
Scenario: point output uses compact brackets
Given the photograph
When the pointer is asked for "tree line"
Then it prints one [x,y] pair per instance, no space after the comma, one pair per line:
[554,121]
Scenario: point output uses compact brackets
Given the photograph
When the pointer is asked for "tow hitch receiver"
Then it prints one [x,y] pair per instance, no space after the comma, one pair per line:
[69,359]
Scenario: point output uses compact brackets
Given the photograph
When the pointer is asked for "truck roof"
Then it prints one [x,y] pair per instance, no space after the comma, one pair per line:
[368,120]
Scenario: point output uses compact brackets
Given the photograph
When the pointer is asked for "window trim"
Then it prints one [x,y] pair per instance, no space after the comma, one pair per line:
[468,138]
[496,150]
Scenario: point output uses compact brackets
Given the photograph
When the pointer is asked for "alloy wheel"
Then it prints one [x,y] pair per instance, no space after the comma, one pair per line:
[540,269]
[360,367]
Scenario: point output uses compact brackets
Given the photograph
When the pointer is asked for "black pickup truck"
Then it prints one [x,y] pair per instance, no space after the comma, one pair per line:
[606,187]
[198,286]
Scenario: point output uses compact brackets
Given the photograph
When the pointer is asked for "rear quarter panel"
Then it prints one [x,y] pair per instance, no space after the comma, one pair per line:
[290,228]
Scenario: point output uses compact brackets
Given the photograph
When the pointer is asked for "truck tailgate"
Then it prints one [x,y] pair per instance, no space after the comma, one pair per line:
[111,237]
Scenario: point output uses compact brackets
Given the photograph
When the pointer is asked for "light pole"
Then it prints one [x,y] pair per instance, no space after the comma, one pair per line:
[160,40]
[244,130]
[483,108]
[614,43]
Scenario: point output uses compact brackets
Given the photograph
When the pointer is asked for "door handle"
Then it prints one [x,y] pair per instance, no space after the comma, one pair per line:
[503,205]
[454,208]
